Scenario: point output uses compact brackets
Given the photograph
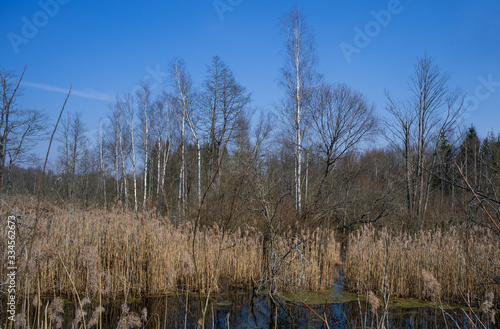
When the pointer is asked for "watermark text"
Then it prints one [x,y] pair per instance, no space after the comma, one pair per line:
[30,27]
[363,36]
[11,267]
[223,6]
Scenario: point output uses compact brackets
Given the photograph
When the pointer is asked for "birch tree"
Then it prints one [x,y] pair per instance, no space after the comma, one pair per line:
[123,146]
[73,139]
[114,118]
[169,105]
[129,115]
[121,143]
[181,83]
[432,110]
[193,117]
[143,100]
[102,159]
[298,76]
[161,128]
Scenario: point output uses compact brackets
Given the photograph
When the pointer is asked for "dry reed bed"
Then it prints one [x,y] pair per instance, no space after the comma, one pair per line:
[457,259]
[116,251]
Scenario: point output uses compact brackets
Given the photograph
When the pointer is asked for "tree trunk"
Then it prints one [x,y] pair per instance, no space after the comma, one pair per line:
[182,186]
[146,165]
[134,167]
[166,151]
[199,171]
[298,136]
[408,170]
[158,181]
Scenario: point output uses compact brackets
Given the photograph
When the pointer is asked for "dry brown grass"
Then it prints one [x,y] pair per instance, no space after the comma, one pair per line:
[427,265]
[115,252]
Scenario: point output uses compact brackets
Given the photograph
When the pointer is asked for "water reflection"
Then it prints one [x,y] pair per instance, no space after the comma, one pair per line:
[244,310]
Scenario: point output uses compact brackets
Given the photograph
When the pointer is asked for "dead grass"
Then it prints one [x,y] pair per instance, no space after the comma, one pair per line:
[115,252]
[428,265]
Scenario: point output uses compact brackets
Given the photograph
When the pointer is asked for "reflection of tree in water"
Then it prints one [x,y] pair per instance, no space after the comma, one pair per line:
[242,310]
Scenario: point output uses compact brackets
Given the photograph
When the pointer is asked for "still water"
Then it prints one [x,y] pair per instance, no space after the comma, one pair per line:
[245,310]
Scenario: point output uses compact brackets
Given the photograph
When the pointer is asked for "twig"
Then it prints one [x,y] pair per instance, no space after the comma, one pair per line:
[37,213]
[43,177]
[449,315]
[309,307]
[493,263]
[477,198]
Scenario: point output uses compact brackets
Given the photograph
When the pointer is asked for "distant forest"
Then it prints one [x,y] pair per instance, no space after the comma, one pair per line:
[202,151]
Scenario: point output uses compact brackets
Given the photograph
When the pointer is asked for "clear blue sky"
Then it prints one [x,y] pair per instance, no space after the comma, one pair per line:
[105,47]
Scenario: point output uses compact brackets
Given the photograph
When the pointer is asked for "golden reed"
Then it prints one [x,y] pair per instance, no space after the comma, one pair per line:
[118,252]
[446,266]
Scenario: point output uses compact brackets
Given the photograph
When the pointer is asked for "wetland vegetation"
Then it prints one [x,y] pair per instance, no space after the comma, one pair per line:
[191,210]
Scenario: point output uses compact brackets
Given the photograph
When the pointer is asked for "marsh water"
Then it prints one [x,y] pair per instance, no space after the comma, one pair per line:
[339,309]
[304,310]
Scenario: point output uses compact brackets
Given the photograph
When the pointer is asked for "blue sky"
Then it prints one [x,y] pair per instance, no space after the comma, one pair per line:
[108,47]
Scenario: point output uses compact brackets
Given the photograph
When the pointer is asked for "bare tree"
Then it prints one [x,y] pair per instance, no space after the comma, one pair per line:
[120,142]
[73,138]
[123,146]
[128,107]
[143,100]
[27,129]
[113,143]
[102,157]
[221,101]
[431,111]
[341,119]
[181,82]
[168,107]
[193,119]
[162,129]
[298,76]
[10,91]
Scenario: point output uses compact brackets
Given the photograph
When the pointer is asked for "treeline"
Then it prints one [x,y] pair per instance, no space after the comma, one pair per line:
[203,152]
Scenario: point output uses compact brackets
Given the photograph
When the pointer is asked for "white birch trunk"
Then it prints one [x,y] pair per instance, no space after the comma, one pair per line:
[298,128]
[183,164]
[134,168]
[166,151]
[199,171]
[101,155]
[145,150]
[158,181]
